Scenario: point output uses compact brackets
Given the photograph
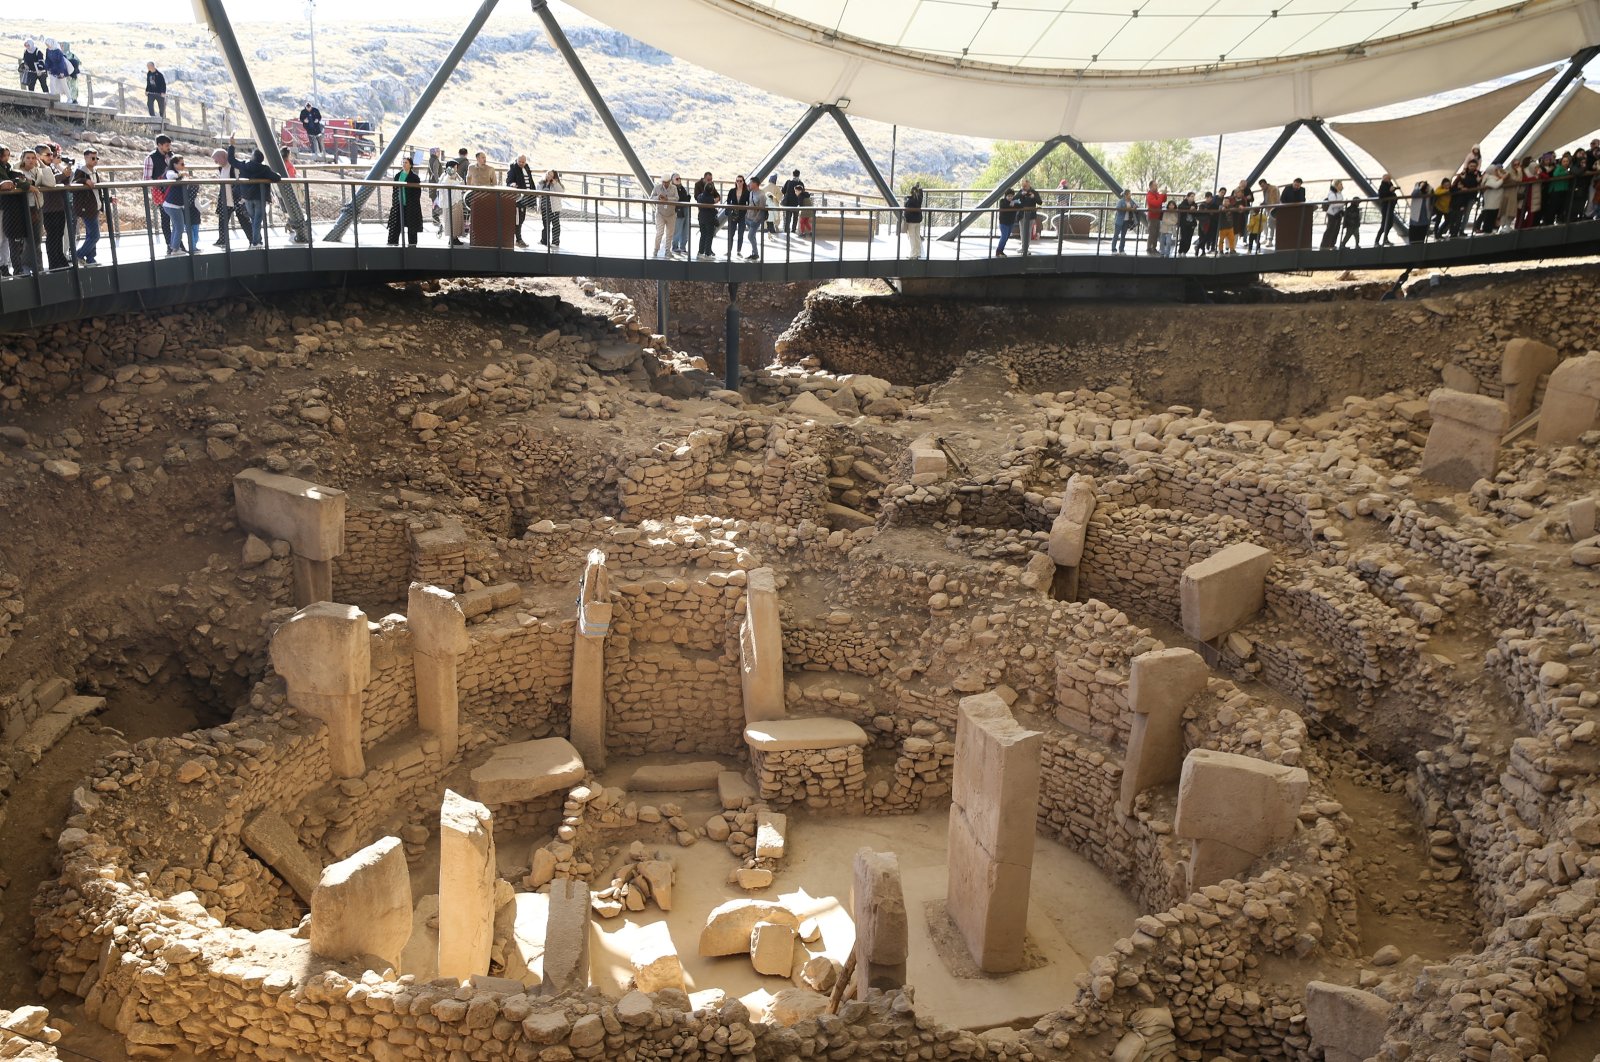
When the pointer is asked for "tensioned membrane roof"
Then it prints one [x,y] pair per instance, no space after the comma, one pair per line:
[1107,70]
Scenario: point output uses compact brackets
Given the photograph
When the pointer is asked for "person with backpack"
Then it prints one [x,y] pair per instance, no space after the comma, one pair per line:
[182,207]
[33,72]
[311,121]
[155,91]
[913,222]
[793,189]
[755,220]
[74,68]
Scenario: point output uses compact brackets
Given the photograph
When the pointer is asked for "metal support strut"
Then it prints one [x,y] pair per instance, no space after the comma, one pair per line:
[786,145]
[994,197]
[861,153]
[564,46]
[1272,152]
[1320,131]
[730,346]
[402,135]
[1575,67]
[217,18]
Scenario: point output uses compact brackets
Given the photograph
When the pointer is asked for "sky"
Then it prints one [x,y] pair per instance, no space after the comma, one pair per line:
[295,10]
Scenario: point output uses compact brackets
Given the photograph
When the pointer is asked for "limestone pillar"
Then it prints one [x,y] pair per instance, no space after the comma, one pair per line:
[761,648]
[883,933]
[1571,401]
[1348,1024]
[588,727]
[1234,809]
[1464,440]
[1221,592]
[994,804]
[1069,529]
[324,653]
[566,938]
[310,518]
[361,906]
[1162,684]
[1521,366]
[466,887]
[438,638]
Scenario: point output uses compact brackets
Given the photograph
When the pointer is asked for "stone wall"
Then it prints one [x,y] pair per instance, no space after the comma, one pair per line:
[821,779]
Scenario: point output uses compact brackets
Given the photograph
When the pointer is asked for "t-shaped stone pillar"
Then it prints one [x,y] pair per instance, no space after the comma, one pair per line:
[324,653]
[1571,401]
[362,905]
[438,638]
[1235,809]
[761,648]
[588,728]
[1221,592]
[1071,526]
[1464,440]
[994,805]
[310,518]
[1161,685]
[883,934]
[466,886]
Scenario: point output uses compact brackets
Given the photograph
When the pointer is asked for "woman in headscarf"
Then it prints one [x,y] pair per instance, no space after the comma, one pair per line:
[74,68]
[1494,183]
[56,68]
[1530,192]
[455,202]
[33,75]
[550,209]
[406,213]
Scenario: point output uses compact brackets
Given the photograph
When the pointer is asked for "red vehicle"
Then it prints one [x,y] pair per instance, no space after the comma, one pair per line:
[342,138]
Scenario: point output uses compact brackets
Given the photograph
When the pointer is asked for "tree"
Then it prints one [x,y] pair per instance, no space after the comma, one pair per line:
[1063,162]
[904,181]
[1175,165]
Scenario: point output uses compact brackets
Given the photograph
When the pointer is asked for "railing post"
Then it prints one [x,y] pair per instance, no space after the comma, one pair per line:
[122,97]
[177,110]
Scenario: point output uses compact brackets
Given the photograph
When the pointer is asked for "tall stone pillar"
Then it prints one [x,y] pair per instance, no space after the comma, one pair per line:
[1234,809]
[309,517]
[1070,527]
[1162,684]
[438,638]
[324,653]
[361,907]
[994,805]
[588,728]
[566,938]
[883,935]
[761,648]
[466,886]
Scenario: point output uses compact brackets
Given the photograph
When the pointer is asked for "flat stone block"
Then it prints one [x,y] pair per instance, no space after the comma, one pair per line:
[995,782]
[527,769]
[734,791]
[676,777]
[1346,1020]
[772,949]
[1221,592]
[818,732]
[361,907]
[275,843]
[729,925]
[310,518]
[655,960]
[771,831]
[1242,801]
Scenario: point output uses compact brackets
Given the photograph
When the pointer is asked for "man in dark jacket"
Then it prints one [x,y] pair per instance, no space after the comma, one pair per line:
[14,214]
[155,91]
[706,194]
[254,196]
[311,119]
[793,189]
[33,72]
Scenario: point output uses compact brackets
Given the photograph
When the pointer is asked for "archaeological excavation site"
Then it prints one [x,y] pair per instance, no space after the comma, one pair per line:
[459,670]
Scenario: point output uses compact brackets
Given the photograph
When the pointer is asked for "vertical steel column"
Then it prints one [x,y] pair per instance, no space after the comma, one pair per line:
[1575,67]
[1094,164]
[1320,131]
[861,153]
[217,18]
[663,295]
[564,46]
[413,118]
[730,345]
[1272,152]
[786,145]
[994,197]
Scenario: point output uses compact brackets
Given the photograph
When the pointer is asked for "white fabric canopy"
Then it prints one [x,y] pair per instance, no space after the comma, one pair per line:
[1033,69]
[1433,143]
[1576,122]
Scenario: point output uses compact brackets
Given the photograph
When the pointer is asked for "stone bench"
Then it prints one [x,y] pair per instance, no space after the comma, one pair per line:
[524,784]
[817,761]
[837,227]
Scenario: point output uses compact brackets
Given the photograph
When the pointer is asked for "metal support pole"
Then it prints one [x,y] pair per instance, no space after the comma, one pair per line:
[1272,152]
[1573,88]
[861,153]
[413,118]
[564,46]
[663,303]
[1575,67]
[994,197]
[1320,131]
[1094,164]
[730,369]
[786,145]
[217,18]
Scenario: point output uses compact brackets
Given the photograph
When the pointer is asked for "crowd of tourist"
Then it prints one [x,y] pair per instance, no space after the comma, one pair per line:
[52,69]
[39,225]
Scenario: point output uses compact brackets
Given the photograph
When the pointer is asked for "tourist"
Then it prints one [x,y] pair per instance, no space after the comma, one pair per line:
[53,205]
[1463,194]
[435,176]
[1187,219]
[1210,208]
[793,189]
[1421,211]
[455,201]
[1352,222]
[550,210]
[913,222]
[39,177]
[1007,220]
[706,194]
[1334,205]
[462,162]
[1154,202]
[86,207]
[680,221]
[733,211]
[1269,204]
[56,68]
[1123,220]
[774,194]
[74,69]
[155,167]
[1169,232]
[1441,209]
[255,193]
[155,91]
[1581,173]
[1028,202]
[1227,235]
[311,122]
[183,207]
[15,214]
[519,175]
[663,199]
[756,220]
[1494,194]
[1256,224]
[1560,197]
[405,209]
[33,69]
[229,204]
[480,174]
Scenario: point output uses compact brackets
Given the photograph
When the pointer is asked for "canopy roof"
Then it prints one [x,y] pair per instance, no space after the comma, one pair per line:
[1107,70]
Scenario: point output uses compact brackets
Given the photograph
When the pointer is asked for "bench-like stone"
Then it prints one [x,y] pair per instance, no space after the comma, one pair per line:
[816,732]
[527,769]
[1221,592]
[676,777]
[307,516]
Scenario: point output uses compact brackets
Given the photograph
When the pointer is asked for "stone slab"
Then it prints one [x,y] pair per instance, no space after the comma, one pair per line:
[729,925]
[1244,802]
[1221,592]
[814,732]
[275,843]
[772,829]
[987,899]
[467,874]
[566,940]
[772,949]
[690,777]
[1347,1023]
[361,907]
[309,517]
[654,959]
[995,782]
[527,769]
[883,931]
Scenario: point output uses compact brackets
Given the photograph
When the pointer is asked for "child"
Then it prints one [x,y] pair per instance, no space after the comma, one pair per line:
[1257,222]
[1228,240]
